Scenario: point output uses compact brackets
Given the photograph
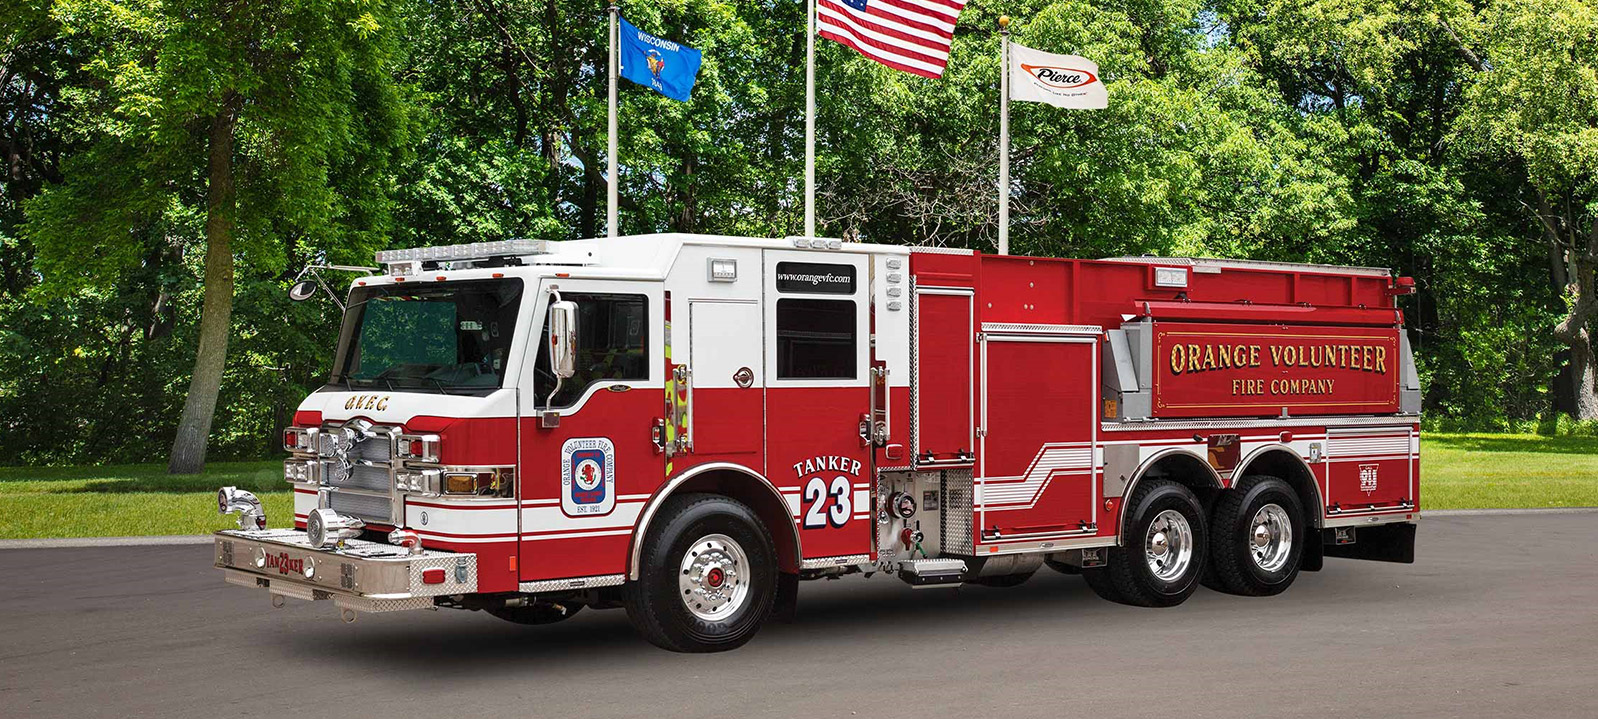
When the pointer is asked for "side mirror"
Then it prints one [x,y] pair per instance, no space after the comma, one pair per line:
[563,338]
[302,290]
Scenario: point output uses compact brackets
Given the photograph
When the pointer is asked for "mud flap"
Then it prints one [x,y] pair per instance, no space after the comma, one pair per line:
[1314,557]
[786,607]
[1383,543]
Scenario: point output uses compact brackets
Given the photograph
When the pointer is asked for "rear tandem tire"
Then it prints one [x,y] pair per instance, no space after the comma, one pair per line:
[1240,562]
[707,576]
[1162,556]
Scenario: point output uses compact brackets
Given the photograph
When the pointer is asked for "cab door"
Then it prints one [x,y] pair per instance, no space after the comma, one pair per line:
[589,460]
[817,357]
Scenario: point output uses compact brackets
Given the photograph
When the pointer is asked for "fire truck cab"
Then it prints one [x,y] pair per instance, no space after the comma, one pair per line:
[686,426]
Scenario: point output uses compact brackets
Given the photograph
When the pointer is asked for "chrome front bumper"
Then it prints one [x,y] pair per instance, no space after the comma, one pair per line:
[359,577]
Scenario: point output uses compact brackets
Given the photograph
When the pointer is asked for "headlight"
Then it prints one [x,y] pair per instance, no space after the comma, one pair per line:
[420,447]
[299,471]
[419,482]
[299,439]
[325,527]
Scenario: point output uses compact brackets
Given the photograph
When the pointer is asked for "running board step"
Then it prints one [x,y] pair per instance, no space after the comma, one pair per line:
[932,572]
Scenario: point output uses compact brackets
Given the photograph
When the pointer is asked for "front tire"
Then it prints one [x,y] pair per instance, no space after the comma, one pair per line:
[1162,554]
[707,577]
[1257,538]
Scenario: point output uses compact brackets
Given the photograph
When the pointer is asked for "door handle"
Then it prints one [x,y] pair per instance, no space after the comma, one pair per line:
[657,434]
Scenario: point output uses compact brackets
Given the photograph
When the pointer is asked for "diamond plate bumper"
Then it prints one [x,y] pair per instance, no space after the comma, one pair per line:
[363,576]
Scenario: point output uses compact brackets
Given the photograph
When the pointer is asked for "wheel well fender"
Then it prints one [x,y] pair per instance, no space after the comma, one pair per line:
[1282,462]
[734,481]
[1178,464]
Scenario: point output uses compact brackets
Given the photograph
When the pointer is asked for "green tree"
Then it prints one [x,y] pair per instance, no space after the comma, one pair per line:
[1531,111]
[257,131]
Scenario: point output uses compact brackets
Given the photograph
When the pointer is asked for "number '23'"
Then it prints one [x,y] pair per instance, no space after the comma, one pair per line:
[828,505]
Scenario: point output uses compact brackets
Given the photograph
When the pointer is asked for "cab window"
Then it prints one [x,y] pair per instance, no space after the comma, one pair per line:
[612,345]
[815,339]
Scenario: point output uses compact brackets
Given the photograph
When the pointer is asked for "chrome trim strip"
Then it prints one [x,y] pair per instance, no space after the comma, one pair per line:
[1007,328]
[1246,423]
[843,561]
[641,530]
[1411,515]
[1048,547]
[1254,265]
[555,585]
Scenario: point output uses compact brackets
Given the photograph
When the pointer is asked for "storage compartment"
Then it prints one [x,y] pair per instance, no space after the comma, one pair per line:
[1370,470]
[1038,478]
[944,365]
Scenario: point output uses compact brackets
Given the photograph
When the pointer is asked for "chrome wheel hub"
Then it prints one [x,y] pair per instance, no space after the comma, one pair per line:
[1168,548]
[1271,538]
[714,580]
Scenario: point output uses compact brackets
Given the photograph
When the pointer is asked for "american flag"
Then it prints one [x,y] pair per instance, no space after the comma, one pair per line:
[908,35]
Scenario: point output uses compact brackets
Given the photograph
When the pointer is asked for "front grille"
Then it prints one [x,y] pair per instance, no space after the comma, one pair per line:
[372,449]
[369,458]
[366,507]
[366,477]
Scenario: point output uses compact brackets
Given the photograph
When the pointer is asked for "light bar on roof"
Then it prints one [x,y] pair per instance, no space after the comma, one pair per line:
[473,251]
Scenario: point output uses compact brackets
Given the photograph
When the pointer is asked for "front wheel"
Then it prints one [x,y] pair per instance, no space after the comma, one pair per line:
[1161,557]
[707,577]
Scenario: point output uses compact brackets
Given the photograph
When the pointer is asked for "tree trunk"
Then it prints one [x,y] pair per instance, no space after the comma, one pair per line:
[1576,331]
[216,314]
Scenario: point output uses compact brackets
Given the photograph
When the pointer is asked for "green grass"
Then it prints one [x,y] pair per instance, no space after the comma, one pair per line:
[126,500]
[1458,471]
[1476,471]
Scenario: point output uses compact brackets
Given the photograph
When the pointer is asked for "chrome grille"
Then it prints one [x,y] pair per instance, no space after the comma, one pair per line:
[367,507]
[357,456]
[373,449]
[367,477]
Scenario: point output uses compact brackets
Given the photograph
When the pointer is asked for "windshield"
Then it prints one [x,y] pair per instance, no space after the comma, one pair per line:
[450,337]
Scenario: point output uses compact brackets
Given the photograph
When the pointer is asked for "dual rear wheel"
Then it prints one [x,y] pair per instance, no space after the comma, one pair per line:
[1249,543]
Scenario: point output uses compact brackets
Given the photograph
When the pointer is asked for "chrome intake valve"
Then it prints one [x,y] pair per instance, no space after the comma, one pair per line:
[411,541]
[232,500]
[326,528]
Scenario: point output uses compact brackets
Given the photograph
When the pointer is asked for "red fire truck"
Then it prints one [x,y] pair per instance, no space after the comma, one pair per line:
[686,426]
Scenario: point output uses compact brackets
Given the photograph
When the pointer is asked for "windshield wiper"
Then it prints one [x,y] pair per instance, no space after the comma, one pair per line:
[440,385]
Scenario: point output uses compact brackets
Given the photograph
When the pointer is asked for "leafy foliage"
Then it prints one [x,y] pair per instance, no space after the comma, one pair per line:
[1421,137]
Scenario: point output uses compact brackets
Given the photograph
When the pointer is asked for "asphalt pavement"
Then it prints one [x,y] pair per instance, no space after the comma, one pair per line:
[1498,617]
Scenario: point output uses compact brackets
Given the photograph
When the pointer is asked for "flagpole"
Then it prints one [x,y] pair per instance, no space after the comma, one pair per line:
[810,119]
[610,190]
[1004,134]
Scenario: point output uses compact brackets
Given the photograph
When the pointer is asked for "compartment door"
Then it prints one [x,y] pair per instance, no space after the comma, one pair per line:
[1037,476]
[1370,470]
[944,378]
[729,401]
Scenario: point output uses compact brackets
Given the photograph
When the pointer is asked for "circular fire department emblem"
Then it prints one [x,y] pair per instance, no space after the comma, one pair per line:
[588,476]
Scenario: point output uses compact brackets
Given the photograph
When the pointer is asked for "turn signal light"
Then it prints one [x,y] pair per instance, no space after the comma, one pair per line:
[494,483]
